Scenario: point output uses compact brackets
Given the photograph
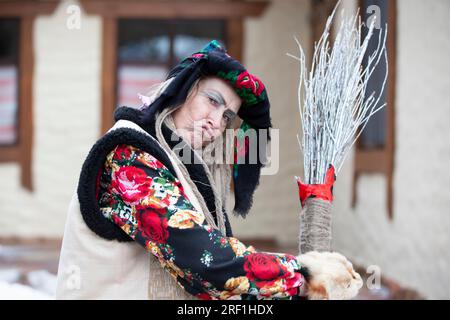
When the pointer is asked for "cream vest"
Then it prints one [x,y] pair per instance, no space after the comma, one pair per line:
[91,267]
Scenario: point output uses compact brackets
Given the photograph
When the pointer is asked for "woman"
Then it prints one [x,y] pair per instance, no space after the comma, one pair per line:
[149,219]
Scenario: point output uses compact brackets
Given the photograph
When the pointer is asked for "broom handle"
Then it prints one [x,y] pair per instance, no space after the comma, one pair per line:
[315,226]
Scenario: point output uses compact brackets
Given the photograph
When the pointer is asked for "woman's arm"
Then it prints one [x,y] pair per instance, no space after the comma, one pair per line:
[140,195]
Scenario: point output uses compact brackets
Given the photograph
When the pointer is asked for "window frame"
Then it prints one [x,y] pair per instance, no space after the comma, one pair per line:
[381,160]
[233,12]
[21,152]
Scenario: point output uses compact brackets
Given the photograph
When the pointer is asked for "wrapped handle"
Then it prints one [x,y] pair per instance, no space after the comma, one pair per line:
[315,217]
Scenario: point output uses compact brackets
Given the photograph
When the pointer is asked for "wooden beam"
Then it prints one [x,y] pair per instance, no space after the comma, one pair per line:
[391,85]
[31,241]
[9,153]
[21,153]
[26,70]
[370,161]
[235,37]
[109,72]
[21,8]
[174,9]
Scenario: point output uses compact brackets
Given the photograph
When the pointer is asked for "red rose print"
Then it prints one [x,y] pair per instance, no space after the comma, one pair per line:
[246,80]
[152,225]
[293,283]
[158,164]
[203,296]
[260,266]
[122,152]
[131,183]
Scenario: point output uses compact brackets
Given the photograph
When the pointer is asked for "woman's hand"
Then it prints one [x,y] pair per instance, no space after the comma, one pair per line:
[330,276]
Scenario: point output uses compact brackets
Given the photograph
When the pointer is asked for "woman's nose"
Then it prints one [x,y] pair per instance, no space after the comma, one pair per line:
[215,118]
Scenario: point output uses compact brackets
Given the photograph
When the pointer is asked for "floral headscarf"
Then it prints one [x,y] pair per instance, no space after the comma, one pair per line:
[255,111]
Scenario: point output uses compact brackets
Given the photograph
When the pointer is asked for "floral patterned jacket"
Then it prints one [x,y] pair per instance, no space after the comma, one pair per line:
[140,195]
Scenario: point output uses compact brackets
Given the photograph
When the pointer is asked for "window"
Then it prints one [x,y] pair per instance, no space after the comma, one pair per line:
[16,82]
[374,150]
[170,30]
[9,81]
[149,48]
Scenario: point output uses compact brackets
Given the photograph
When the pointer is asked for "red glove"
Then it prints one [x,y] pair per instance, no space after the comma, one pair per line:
[321,191]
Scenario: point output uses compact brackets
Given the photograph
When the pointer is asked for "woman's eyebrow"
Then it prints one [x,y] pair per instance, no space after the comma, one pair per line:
[218,96]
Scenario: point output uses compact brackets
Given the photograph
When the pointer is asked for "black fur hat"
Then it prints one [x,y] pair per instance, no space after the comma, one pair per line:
[254,111]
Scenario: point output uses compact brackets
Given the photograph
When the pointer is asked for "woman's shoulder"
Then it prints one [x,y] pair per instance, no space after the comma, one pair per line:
[127,154]
[127,113]
[117,155]
[127,135]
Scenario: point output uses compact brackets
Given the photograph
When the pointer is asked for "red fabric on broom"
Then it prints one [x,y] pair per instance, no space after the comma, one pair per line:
[321,191]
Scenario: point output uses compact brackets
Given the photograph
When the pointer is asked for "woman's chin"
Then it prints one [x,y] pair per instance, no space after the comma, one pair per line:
[203,139]
[197,141]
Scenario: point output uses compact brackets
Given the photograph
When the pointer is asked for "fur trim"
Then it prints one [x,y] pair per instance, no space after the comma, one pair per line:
[305,273]
[89,207]
[127,113]
[245,185]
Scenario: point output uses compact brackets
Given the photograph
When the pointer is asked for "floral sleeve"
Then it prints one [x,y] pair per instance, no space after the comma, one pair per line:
[140,195]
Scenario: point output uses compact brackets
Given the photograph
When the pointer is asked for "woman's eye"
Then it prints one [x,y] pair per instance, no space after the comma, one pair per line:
[228,115]
[213,101]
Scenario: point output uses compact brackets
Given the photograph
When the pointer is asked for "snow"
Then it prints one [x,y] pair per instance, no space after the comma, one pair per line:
[42,285]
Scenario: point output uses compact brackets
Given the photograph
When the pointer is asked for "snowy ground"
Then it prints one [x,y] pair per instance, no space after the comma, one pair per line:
[28,271]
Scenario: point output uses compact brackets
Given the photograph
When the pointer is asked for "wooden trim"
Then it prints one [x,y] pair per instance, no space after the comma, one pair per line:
[32,241]
[391,86]
[24,8]
[174,9]
[109,72]
[235,37]
[371,161]
[26,70]
[9,153]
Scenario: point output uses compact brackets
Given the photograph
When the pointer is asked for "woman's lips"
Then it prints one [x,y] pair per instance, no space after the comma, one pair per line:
[207,135]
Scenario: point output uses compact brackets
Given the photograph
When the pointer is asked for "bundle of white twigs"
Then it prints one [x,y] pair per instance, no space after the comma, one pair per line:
[334,107]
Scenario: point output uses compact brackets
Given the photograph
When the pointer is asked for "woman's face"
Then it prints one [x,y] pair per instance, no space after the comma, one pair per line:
[206,112]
